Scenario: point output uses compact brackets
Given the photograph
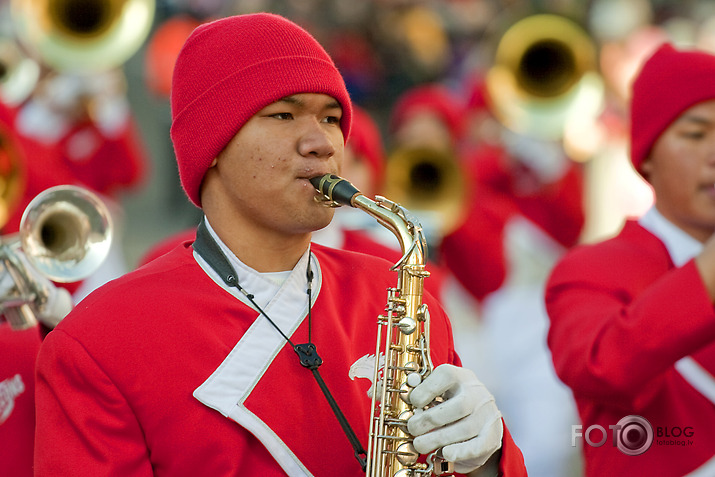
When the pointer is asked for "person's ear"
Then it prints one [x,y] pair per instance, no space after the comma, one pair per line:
[213,162]
[646,167]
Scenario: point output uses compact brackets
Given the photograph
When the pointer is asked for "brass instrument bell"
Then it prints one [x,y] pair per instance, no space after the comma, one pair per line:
[544,75]
[66,233]
[83,35]
[431,184]
[12,174]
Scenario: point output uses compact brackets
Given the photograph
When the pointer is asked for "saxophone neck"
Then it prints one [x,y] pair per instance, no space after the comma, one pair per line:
[401,223]
[336,191]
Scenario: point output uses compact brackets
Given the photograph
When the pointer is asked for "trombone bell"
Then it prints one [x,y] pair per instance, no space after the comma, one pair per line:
[83,35]
[65,233]
[544,75]
[429,183]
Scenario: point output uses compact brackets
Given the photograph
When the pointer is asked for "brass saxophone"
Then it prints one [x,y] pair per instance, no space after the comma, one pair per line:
[406,341]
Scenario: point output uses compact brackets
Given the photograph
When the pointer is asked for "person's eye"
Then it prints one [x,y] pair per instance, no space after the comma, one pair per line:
[693,135]
[332,120]
[282,116]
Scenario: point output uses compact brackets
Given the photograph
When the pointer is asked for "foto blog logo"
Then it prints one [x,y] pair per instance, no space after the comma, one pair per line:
[632,435]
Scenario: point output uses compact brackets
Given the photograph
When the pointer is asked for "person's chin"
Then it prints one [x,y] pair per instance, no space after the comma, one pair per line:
[324,219]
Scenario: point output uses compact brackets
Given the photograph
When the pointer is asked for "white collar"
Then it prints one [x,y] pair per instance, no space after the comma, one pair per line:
[263,286]
[681,246]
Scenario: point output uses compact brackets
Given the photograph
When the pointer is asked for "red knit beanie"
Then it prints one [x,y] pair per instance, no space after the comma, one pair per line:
[365,139]
[432,97]
[230,69]
[669,82]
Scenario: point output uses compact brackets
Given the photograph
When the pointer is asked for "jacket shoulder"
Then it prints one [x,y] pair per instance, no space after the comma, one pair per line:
[633,252]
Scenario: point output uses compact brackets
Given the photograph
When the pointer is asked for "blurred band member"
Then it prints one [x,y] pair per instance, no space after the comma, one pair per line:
[632,320]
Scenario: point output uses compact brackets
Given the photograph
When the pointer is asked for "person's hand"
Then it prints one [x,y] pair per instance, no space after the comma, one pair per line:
[51,303]
[467,425]
[543,158]
[64,100]
[56,306]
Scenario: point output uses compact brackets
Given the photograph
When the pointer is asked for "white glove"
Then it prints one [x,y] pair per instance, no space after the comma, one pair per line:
[544,158]
[467,425]
[53,307]
[59,303]
[66,97]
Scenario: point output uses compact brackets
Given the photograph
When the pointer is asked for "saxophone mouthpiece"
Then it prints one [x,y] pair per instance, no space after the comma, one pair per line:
[335,189]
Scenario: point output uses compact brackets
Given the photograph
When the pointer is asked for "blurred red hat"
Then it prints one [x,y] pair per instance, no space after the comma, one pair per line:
[366,141]
[434,98]
[669,82]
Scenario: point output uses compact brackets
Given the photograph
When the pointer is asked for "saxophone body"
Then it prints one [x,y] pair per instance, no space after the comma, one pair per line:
[403,338]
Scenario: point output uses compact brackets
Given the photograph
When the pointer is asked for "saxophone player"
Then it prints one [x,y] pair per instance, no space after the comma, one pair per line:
[230,354]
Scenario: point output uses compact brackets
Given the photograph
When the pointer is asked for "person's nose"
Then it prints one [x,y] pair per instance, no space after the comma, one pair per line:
[316,140]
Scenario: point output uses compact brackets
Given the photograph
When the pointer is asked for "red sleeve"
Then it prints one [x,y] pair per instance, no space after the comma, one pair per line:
[511,463]
[558,207]
[74,400]
[617,322]
[17,399]
[111,164]
[474,252]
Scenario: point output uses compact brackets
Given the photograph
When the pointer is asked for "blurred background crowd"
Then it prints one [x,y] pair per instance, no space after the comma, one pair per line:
[501,123]
[383,48]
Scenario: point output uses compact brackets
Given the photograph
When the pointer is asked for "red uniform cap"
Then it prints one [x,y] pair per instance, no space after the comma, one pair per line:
[366,141]
[669,82]
[431,97]
[231,68]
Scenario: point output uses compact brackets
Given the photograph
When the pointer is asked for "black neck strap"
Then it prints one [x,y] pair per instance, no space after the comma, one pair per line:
[210,251]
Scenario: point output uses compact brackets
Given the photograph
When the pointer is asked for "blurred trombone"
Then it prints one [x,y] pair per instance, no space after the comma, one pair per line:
[83,35]
[431,184]
[544,81]
[81,46]
[65,235]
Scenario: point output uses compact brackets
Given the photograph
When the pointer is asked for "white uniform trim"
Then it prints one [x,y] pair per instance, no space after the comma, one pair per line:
[228,387]
[697,376]
[705,470]
[681,246]
[277,448]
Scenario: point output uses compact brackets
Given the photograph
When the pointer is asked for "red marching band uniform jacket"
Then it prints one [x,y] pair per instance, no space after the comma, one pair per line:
[147,380]
[632,334]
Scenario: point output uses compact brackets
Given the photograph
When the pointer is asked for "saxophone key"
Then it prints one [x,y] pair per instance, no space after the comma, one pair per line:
[406,454]
[407,325]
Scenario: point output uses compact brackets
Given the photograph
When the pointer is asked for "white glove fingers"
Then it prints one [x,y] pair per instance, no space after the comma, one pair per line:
[59,304]
[472,454]
[477,421]
[458,431]
[441,380]
[451,410]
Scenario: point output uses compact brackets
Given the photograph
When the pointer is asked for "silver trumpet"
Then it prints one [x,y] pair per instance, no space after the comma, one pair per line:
[65,235]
